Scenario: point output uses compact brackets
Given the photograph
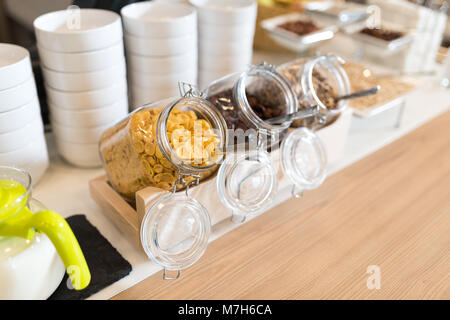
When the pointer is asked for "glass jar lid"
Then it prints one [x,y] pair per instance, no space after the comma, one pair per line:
[304,159]
[247,182]
[175,231]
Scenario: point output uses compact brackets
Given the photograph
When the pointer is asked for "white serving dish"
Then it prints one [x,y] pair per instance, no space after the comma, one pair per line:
[141,96]
[293,41]
[19,138]
[146,80]
[33,158]
[82,61]
[225,12]
[98,29]
[159,19]
[15,66]
[79,135]
[29,271]
[84,155]
[244,30]
[18,96]
[90,118]
[85,81]
[17,118]
[233,49]
[160,47]
[83,100]
[163,65]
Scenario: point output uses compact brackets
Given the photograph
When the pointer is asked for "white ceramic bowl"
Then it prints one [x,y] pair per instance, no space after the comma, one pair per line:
[79,135]
[163,65]
[146,80]
[143,96]
[82,61]
[84,155]
[225,12]
[161,46]
[87,99]
[29,271]
[19,138]
[233,49]
[58,31]
[90,118]
[85,81]
[15,66]
[16,118]
[225,63]
[18,96]
[207,32]
[32,158]
[159,19]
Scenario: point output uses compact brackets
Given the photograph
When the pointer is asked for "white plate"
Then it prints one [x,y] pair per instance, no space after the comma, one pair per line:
[163,65]
[17,118]
[15,66]
[159,19]
[85,81]
[163,81]
[232,49]
[32,158]
[90,118]
[80,154]
[244,30]
[18,96]
[225,63]
[88,99]
[161,46]
[84,61]
[228,12]
[58,31]
[13,140]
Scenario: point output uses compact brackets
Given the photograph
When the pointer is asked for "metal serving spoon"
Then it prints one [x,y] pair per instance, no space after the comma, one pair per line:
[314,110]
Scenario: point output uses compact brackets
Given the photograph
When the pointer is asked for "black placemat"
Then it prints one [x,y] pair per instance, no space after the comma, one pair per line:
[105,262]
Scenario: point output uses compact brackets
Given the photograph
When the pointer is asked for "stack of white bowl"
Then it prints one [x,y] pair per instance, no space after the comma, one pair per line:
[226,31]
[22,141]
[85,75]
[161,46]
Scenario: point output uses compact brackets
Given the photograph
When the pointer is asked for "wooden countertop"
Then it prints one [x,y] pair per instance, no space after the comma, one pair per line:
[391,209]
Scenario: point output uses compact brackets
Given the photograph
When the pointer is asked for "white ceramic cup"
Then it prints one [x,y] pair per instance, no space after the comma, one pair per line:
[164,81]
[13,140]
[159,19]
[79,135]
[245,30]
[18,96]
[88,99]
[90,118]
[161,47]
[32,158]
[163,65]
[142,96]
[82,61]
[228,12]
[17,118]
[60,31]
[15,66]
[85,81]
[84,155]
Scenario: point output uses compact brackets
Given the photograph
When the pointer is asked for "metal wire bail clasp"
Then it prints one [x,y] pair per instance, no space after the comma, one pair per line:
[189,90]
[182,181]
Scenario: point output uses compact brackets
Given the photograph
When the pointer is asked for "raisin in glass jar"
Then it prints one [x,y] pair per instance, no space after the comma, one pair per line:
[318,81]
[158,141]
[246,100]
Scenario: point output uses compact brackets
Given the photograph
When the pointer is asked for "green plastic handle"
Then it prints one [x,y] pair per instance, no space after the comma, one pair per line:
[61,235]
